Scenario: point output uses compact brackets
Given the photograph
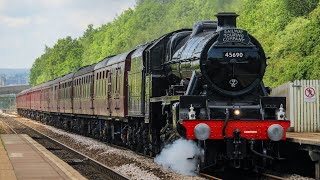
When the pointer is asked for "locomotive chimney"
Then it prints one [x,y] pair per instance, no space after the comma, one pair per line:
[226,20]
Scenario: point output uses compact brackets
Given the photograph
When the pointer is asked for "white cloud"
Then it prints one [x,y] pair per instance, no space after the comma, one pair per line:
[53,3]
[14,21]
[27,26]
[2,4]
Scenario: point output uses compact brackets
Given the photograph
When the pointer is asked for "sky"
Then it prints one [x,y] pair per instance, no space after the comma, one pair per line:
[27,26]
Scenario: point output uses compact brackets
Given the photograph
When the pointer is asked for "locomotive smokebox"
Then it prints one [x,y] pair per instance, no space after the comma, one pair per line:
[226,20]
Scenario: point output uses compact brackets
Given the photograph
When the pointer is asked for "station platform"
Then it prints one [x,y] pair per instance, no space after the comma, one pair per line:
[304,138]
[23,158]
[309,142]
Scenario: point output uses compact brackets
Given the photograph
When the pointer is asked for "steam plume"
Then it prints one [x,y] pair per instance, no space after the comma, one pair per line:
[180,156]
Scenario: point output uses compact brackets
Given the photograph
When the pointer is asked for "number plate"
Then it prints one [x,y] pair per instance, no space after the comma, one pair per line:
[233,54]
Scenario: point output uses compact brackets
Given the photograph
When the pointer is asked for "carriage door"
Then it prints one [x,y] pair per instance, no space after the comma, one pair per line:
[109,93]
[117,91]
[57,95]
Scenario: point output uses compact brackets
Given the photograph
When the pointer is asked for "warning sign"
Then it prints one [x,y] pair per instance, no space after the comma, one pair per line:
[310,94]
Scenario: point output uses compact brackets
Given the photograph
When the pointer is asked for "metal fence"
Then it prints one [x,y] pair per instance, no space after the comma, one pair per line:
[8,102]
[303,107]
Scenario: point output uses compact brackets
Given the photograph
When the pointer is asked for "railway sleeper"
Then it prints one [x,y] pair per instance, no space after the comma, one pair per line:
[133,135]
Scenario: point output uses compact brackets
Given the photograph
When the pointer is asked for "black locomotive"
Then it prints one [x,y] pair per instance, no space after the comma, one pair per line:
[203,84]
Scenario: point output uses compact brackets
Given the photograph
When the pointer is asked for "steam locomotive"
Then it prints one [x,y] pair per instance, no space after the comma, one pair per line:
[203,84]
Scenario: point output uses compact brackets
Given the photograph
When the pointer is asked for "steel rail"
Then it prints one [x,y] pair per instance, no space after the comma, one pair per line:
[101,167]
[96,163]
[8,125]
[273,176]
[209,176]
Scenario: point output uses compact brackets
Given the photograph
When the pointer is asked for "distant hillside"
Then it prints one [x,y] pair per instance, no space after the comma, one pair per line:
[14,76]
[287,29]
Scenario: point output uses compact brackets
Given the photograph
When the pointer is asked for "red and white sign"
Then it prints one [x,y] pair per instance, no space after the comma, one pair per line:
[310,94]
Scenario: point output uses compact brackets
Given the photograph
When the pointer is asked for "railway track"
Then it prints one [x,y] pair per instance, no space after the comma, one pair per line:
[264,176]
[18,127]
[88,167]
[275,177]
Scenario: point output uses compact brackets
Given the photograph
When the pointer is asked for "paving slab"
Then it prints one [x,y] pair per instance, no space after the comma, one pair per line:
[304,138]
[23,158]
[6,169]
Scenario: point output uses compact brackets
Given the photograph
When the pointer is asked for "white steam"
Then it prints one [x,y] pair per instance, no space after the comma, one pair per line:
[180,156]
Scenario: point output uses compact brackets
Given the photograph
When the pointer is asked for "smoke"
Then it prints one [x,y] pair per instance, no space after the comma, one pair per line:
[180,156]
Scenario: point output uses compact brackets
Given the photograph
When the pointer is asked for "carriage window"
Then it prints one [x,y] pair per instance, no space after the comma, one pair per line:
[87,95]
[99,92]
[100,88]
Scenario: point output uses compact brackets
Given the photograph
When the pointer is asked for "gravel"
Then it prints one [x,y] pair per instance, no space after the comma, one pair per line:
[123,161]
[3,128]
[298,177]
[126,162]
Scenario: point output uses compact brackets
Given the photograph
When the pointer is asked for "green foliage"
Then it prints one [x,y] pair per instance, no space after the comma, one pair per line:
[287,29]
[62,58]
[149,20]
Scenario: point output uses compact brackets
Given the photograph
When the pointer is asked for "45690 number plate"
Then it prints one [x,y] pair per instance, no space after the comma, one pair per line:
[234,54]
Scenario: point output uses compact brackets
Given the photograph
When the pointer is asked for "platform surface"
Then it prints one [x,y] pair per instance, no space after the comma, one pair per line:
[23,158]
[304,138]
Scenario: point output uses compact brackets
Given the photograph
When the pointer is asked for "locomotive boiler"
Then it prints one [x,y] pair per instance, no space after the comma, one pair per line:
[203,84]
